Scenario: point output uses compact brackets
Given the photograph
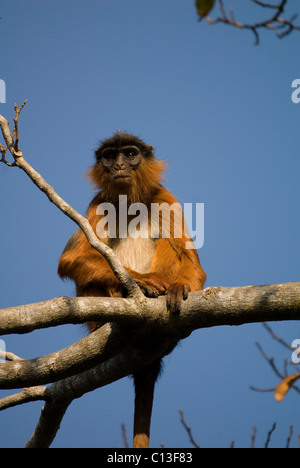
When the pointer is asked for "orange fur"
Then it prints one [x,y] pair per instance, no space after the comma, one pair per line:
[145,182]
[172,266]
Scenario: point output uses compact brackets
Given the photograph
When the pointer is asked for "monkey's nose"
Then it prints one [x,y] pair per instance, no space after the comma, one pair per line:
[119,166]
[120,163]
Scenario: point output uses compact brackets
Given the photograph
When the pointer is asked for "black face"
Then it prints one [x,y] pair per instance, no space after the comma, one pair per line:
[120,162]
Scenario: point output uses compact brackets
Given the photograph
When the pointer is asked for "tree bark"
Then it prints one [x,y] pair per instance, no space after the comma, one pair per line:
[213,306]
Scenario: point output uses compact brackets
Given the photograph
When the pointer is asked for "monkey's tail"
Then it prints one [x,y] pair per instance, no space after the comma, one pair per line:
[144,382]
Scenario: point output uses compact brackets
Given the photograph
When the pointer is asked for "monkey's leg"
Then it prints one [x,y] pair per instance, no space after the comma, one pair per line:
[144,381]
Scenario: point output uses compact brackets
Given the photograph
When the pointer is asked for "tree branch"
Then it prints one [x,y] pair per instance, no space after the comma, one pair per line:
[27,395]
[60,394]
[54,198]
[96,347]
[275,22]
[211,307]
[188,429]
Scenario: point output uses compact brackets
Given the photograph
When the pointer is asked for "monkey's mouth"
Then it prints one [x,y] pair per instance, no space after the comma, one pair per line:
[122,177]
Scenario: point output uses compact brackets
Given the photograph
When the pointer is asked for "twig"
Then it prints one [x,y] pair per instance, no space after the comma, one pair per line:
[124,436]
[275,22]
[16,127]
[270,361]
[262,390]
[269,435]
[188,429]
[274,368]
[253,437]
[12,145]
[290,436]
[277,338]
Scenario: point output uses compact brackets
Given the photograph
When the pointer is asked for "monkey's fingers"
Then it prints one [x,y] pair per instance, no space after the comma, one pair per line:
[147,291]
[176,293]
[157,282]
[185,292]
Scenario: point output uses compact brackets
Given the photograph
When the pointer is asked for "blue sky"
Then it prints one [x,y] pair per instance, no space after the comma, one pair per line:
[219,110]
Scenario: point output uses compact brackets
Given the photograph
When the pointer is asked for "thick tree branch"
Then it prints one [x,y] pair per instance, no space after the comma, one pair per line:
[73,310]
[211,307]
[96,347]
[59,395]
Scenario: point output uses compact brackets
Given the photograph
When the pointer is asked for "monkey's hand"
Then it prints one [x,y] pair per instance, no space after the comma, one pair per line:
[152,284]
[175,294]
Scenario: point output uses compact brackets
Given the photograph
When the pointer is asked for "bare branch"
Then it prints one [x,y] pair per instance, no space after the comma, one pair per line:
[290,436]
[253,437]
[54,198]
[270,361]
[82,355]
[225,306]
[275,22]
[282,377]
[48,424]
[27,395]
[124,436]
[262,390]
[60,394]
[188,429]
[277,338]
[74,310]
[211,307]
[16,127]
[269,435]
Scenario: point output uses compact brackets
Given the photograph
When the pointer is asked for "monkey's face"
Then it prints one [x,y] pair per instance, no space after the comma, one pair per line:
[126,164]
[120,163]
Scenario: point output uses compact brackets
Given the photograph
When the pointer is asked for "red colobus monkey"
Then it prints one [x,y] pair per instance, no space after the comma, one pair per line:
[160,265]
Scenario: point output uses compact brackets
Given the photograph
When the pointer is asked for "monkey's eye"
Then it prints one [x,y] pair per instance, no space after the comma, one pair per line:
[130,152]
[108,155]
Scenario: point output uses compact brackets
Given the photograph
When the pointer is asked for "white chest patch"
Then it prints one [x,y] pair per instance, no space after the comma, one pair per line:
[135,254]
[136,250]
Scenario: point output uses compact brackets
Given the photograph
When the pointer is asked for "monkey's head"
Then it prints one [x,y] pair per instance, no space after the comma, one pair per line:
[126,165]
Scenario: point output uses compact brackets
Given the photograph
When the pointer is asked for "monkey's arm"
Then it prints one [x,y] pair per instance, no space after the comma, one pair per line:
[85,266]
[179,265]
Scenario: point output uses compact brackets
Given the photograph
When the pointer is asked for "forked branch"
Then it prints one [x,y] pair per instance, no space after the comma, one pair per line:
[275,22]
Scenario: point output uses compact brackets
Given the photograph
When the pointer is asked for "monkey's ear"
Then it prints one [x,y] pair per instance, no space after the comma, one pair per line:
[98,155]
[149,151]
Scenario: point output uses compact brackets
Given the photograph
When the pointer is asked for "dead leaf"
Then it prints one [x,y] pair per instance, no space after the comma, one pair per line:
[284,386]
